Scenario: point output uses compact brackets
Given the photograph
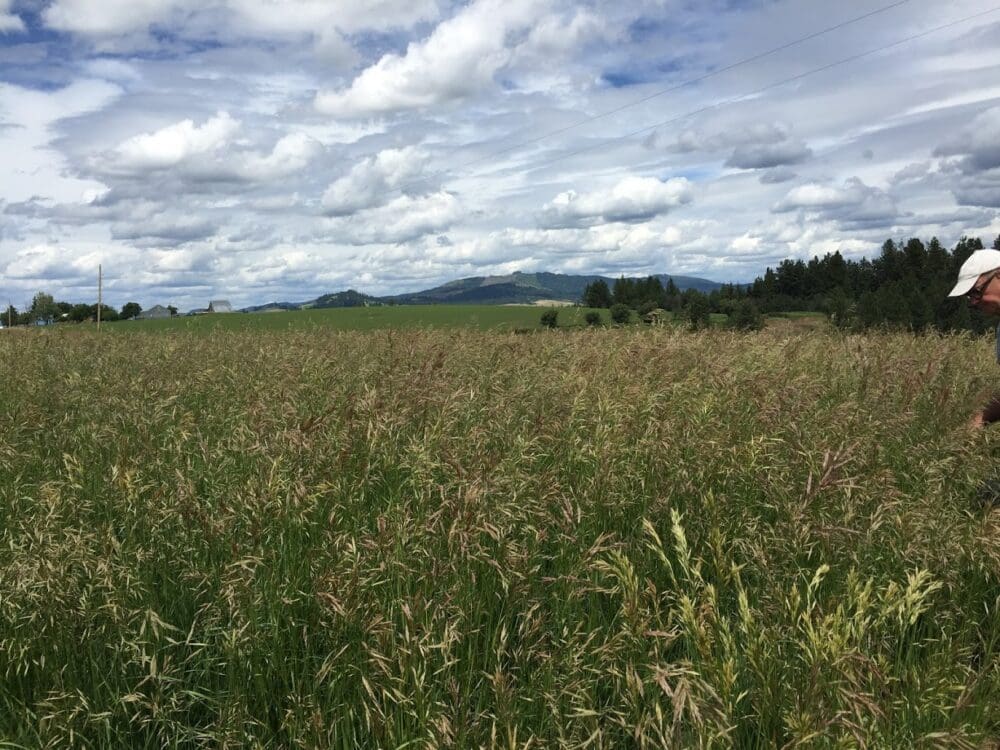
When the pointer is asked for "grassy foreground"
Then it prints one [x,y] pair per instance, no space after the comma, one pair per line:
[614,538]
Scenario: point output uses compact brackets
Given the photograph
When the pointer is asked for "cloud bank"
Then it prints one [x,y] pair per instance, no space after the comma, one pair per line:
[260,150]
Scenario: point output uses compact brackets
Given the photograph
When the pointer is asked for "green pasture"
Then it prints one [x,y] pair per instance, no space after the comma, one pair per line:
[477,317]
[483,317]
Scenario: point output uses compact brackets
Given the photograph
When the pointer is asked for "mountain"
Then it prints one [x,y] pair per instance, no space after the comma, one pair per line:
[272,306]
[515,288]
[350,298]
[525,288]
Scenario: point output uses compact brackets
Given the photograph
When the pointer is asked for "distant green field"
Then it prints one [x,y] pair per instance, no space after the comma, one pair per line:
[477,317]
[367,318]
[798,314]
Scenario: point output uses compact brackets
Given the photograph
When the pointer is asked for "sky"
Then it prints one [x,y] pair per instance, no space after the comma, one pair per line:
[276,150]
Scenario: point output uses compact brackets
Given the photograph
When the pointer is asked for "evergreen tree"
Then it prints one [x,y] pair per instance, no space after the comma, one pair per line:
[868,311]
[958,318]
[937,264]
[597,294]
[652,292]
[887,266]
[915,259]
[839,309]
[906,286]
[962,251]
[746,317]
[696,310]
[921,311]
[835,271]
[621,293]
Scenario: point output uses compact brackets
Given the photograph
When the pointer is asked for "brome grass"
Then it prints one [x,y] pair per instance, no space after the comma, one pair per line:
[605,538]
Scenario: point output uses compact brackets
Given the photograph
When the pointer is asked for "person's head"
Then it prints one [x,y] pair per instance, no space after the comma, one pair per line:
[979,280]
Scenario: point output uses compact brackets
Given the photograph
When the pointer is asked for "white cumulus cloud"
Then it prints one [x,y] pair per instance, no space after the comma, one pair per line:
[632,199]
[9,21]
[403,219]
[210,151]
[369,182]
[46,261]
[106,17]
[291,154]
[256,18]
[852,205]
[460,57]
[819,196]
[175,143]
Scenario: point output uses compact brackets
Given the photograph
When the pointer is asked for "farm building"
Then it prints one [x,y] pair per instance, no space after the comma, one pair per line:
[220,306]
[156,311]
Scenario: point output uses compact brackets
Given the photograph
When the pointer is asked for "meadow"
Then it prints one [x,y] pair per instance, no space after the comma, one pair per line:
[611,538]
[399,317]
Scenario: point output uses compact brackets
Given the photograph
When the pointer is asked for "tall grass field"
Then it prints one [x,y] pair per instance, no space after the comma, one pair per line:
[613,538]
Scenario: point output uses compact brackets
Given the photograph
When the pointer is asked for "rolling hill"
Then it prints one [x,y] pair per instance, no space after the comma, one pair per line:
[526,288]
[515,288]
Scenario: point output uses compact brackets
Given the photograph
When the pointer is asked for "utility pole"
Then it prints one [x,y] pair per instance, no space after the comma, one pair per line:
[99,295]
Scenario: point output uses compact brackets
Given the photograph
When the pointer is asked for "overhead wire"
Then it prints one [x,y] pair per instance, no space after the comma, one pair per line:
[444,175]
[683,84]
[730,100]
[662,92]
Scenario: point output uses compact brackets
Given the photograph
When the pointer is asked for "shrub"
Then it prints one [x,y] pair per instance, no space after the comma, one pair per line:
[840,309]
[746,317]
[647,307]
[550,318]
[621,314]
[697,312]
[593,318]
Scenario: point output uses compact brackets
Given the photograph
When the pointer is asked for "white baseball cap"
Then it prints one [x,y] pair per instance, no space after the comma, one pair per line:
[980,262]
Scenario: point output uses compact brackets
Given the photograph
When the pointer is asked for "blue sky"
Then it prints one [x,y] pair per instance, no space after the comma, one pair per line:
[262,150]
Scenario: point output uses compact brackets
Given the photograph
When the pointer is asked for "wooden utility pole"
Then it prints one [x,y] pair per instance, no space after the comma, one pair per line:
[99,295]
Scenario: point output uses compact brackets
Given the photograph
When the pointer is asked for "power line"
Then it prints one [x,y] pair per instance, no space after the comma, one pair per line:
[761,90]
[689,82]
[661,92]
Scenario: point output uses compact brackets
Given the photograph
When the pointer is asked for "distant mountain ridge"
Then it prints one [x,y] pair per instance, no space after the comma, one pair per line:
[514,288]
[527,288]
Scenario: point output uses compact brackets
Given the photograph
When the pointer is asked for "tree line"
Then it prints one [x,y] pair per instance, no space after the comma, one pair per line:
[906,286]
[646,296]
[45,310]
